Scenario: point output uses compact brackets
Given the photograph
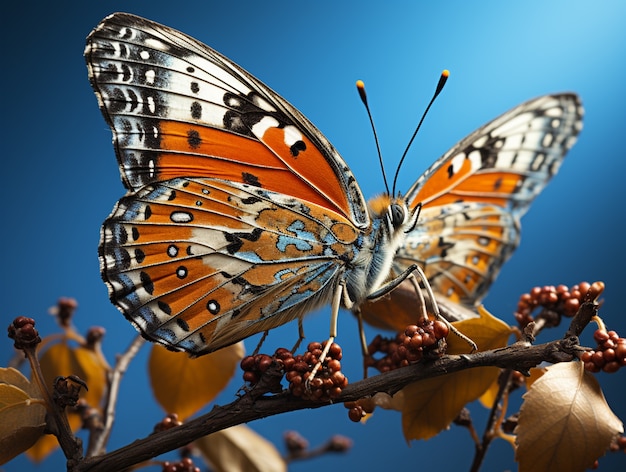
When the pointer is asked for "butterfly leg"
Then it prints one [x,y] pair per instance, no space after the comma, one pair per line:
[435,307]
[340,294]
[260,343]
[300,336]
[364,348]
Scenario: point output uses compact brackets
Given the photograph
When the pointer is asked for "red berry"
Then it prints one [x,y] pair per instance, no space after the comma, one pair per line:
[586,356]
[440,329]
[335,351]
[264,362]
[598,358]
[356,414]
[600,336]
[609,355]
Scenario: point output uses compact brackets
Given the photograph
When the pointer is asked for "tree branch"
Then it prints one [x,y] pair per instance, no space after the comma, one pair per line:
[520,356]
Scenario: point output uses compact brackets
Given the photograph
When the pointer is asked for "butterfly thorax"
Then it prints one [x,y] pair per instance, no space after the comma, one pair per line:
[391,220]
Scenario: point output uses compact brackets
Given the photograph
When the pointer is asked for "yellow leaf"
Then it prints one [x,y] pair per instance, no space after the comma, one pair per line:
[60,359]
[487,331]
[183,385]
[240,449]
[430,405]
[565,423]
[488,398]
[11,376]
[94,374]
[22,417]
[535,374]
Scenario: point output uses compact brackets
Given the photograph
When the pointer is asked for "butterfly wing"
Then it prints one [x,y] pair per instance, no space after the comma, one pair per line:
[473,197]
[239,212]
[198,264]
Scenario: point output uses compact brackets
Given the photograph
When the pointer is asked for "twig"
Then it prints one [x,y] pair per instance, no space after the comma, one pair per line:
[519,356]
[99,439]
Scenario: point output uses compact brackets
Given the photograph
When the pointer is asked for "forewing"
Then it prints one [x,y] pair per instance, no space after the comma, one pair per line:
[178,108]
[508,161]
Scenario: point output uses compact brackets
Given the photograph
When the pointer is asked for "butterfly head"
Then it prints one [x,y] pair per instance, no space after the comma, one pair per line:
[396,215]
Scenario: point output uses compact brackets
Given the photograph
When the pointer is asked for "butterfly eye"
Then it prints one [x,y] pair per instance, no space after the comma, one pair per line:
[397,215]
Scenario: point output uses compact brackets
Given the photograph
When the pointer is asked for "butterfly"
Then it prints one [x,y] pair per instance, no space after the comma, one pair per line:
[240,215]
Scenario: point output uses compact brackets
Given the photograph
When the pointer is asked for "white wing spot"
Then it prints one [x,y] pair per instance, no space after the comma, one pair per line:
[145,55]
[151,105]
[155,44]
[457,162]
[181,217]
[262,126]
[292,135]
[481,141]
[474,158]
[233,102]
[547,140]
[150,77]
[151,168]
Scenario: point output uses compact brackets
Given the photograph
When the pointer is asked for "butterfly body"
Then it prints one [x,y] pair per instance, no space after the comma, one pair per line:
[240,215]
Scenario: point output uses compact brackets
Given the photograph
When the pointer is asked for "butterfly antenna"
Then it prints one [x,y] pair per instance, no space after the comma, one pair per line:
[361,88]
[442,81]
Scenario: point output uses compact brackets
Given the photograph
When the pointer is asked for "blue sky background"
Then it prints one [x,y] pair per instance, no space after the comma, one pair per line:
[60,177]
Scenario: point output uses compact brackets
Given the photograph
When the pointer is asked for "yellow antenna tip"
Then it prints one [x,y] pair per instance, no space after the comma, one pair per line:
[446,73]
[360,86]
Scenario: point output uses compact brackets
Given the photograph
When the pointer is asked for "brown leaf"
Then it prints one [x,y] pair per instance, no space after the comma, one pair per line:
[431,405]
[240,449]
[565,423]
[22,416]
[183,385]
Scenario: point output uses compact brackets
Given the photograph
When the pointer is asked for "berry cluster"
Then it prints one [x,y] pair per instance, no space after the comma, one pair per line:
[610,354]
[328,382]
[22,331]
[555,301]
[408,347]
[184,465]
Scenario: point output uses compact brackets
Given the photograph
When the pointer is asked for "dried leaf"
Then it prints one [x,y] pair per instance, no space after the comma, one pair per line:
[11,376]
[565,422]
[61,359]
[183,385]
[22,416]
[240,449]
[431,405]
